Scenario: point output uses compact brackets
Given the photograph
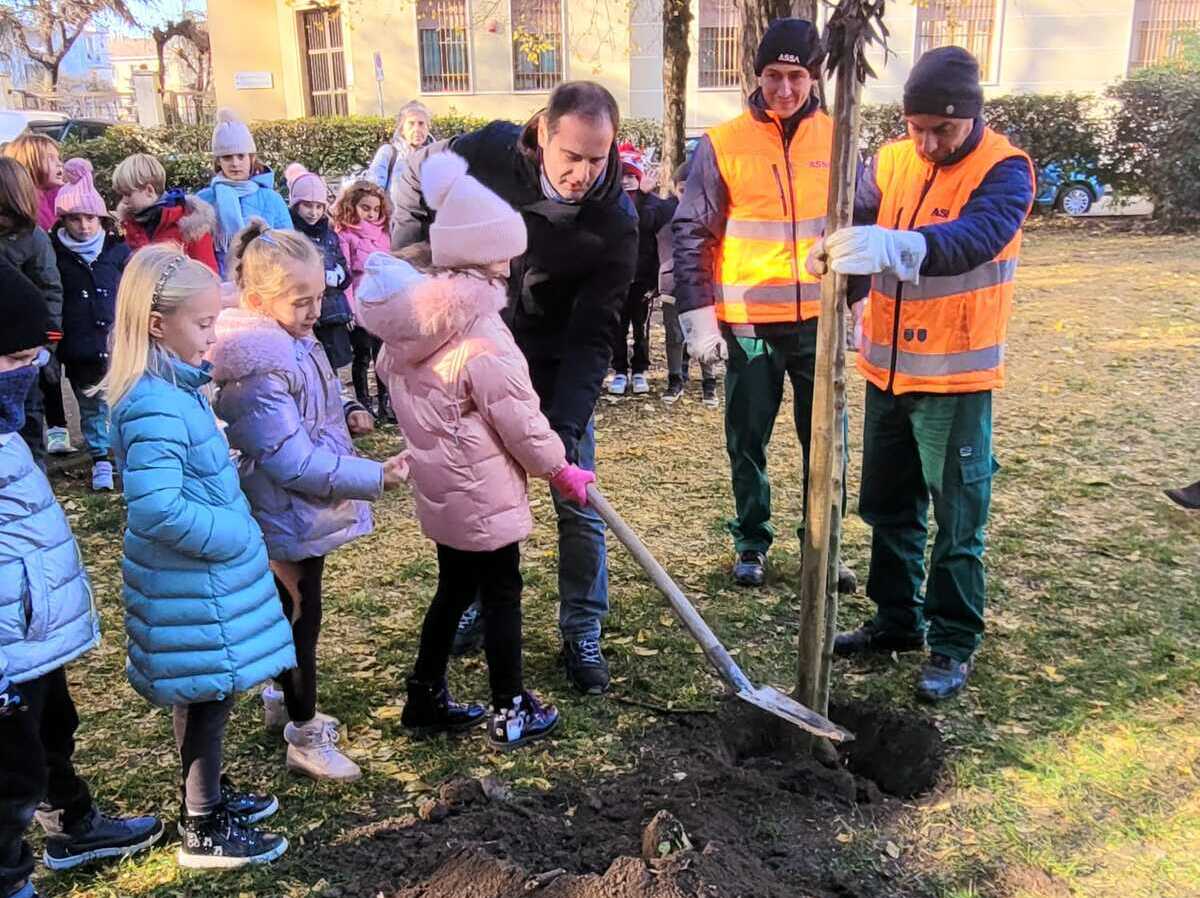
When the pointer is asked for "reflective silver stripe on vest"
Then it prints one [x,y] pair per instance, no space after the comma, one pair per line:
[918,364]
[989,274]
[778,231]
[767,293]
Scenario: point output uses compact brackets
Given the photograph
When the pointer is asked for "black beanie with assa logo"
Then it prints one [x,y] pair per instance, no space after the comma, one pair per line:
[791,41]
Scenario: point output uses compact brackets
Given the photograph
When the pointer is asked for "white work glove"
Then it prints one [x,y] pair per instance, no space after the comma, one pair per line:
[871,249]
[703,335]
[334,276]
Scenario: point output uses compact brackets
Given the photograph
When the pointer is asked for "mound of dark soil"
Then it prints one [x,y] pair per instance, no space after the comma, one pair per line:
[760,817]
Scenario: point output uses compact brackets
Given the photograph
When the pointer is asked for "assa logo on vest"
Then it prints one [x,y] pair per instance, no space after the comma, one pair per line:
[940,213]
[818,163]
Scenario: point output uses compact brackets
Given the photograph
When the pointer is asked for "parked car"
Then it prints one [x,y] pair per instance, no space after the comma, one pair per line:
[1072,189]
[57,125]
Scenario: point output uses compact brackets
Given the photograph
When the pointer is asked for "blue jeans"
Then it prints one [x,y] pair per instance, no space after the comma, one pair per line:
[582,559]
[93,410]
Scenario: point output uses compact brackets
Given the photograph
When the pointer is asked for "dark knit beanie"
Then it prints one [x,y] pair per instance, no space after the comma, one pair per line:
[23,311]
[791,41]
[945,82]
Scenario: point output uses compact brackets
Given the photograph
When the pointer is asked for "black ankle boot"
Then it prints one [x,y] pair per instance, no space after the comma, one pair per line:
[429,709]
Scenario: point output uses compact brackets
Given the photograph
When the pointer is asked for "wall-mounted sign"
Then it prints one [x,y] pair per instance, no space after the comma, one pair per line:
[253,81]
[378,66]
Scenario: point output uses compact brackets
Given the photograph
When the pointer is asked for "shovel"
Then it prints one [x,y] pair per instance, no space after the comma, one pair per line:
[768,699]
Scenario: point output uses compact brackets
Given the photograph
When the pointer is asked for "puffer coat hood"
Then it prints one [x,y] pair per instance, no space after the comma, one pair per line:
[47,614]
[202,617]
[284,410]
[462,395]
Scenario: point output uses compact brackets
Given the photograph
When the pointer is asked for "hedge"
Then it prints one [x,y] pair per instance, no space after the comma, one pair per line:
[334,147]
[1147,146]
[1155,140]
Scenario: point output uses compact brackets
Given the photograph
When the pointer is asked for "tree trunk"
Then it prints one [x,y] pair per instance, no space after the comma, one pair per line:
[677,20]
[822,532]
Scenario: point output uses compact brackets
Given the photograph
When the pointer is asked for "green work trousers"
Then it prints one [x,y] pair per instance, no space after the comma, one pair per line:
[915,446]
[754,376]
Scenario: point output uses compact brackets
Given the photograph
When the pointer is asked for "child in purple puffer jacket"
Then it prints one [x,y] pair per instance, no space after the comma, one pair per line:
[463,399]
[308,489]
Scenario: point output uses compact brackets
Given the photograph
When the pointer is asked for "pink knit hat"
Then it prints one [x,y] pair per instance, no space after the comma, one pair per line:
[304,186]
[78,196]
[473,225]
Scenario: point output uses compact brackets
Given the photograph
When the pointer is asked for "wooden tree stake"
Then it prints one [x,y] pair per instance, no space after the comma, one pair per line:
[823,530]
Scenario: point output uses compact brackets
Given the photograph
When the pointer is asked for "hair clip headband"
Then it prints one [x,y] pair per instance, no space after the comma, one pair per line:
[167,274]
[266,238]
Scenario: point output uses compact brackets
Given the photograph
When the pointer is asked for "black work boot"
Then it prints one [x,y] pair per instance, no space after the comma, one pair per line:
[750,568]
[871,639]
[219,840]
[942,677]
[429,709]
[586,667]
[94,837]
[1186,496]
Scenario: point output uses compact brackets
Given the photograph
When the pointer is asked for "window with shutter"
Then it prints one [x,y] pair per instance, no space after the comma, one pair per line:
[324,62]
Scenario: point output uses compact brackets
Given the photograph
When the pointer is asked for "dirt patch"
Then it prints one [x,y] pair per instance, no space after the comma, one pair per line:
[749,817]
[901,753]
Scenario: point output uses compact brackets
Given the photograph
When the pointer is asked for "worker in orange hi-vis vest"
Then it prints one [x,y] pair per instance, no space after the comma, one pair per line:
[938,227]
[753,207]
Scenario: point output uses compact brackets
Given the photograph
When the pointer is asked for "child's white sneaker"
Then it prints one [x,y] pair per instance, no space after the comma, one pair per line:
[275,713]
[58,441]
[312,751]
[102,476]
[641,386]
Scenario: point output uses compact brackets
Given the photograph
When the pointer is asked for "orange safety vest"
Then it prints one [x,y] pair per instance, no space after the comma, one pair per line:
[776,213]
[943,334]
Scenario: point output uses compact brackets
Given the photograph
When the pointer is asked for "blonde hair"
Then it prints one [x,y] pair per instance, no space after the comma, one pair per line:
[18,196]
[138,171]
[418,255]
[345,207]
[159,278]
[33,151]
[260,254]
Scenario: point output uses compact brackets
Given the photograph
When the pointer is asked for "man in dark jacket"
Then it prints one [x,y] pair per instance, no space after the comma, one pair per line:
[938,225]
[753,207]
[561,171]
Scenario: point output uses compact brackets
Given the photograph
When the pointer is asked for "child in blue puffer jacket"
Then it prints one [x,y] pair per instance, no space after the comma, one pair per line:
[47,619]
[202,617]
[243,188]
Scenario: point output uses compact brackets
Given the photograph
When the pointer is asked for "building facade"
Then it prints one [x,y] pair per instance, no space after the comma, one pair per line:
[499,58]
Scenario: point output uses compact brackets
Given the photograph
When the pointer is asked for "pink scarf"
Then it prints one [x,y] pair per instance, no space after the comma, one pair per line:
[46,216]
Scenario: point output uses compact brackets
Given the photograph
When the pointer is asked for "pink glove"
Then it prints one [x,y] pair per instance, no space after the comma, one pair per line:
[571,483]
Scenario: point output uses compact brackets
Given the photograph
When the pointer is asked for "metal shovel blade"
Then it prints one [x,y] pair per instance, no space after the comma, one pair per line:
[775,702]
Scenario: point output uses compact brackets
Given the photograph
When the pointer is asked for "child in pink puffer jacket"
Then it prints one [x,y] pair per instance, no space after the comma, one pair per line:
[463,399]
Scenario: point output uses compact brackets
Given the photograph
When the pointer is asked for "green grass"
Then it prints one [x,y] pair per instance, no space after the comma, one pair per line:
[1074,754]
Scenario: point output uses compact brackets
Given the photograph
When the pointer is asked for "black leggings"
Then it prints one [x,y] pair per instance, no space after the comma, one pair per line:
[301,598]
[200,736]
[366,348]
[495,578]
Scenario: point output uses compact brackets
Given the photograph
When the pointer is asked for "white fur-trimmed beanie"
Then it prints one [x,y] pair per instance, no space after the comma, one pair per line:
[231,136]
[473,226]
